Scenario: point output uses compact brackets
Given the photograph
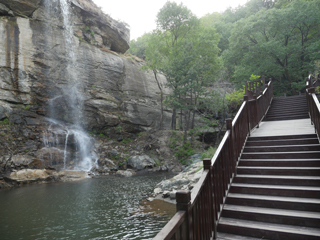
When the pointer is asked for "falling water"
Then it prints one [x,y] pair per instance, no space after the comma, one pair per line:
[71,95]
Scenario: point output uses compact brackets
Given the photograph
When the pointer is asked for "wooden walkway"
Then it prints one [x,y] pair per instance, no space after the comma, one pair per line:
[263,182]
[284,127]
[276,192]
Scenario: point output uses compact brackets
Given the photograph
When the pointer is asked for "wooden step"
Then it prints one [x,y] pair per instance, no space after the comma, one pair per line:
[284,148]
[282,137]
[278,180]
[302,141]
[302,108]
[229,236]
[286,117]
[276,190]
[280,162]
[281,155]
[267,231]
[286,171]
[271,215]
[289,203]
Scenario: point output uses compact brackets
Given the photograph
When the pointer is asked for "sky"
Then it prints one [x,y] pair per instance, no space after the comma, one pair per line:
[141,14]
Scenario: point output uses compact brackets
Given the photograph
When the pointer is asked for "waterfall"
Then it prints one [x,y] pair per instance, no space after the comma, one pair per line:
[70,138]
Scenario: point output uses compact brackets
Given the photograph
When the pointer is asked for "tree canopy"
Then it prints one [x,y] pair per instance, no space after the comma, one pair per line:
[278,39]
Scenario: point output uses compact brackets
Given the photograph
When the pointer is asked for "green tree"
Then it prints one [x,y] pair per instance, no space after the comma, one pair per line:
[279,43]
[174,22]
[138,47]
[191,69]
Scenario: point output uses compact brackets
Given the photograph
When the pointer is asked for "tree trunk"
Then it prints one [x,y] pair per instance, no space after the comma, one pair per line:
[173,123]
[161,99]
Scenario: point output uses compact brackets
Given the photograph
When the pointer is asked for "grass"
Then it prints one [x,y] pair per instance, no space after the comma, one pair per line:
[209,153]
[5,121]
[127,140]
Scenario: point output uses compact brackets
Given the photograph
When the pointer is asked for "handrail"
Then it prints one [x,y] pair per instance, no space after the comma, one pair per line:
[313,106]
[255,87]
[204,205]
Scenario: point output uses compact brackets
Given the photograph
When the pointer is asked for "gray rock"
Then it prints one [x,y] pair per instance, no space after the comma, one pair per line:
[113,152]
[166,194]
[141,162]
[21,6]
[3,9]
[195,156]
[183,181]
[126,173]
[173,195]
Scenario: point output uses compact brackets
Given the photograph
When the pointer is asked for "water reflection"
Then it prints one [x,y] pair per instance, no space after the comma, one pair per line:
[102,208]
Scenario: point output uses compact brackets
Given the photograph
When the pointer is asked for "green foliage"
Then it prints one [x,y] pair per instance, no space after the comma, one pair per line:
[119,128]
[5,121]
[235,99]
[174,140]
[27,107]
[254,77]
[209,153]
[138,47]
[278,41]
[183,152]
[127,140]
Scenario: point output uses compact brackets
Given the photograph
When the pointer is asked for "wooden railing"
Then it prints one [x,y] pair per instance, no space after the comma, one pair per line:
[198,212]
[313,106]
[254,88]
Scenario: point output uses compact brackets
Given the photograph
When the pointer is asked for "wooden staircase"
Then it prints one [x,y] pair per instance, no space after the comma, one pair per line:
[286,108]
[276,193]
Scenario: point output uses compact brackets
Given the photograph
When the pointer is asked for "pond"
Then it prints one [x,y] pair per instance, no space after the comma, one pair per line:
[97,208]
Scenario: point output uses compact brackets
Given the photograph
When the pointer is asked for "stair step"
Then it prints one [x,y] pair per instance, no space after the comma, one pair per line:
[284,148]
[270,215]
[285,117]
[228,236]
[267,230]
[276,190]
[282,137]
[280,162]
[290,203]
[278,180]
[281,155]
[302,109]
[302,141]
[292,171]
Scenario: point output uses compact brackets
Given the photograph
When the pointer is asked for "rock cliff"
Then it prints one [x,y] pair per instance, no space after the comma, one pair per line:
[115,94]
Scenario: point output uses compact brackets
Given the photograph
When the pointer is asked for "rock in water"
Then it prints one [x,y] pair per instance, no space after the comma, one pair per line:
[141,162]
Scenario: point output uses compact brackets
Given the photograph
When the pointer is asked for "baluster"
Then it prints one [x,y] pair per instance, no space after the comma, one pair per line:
[184,204]
[211,195]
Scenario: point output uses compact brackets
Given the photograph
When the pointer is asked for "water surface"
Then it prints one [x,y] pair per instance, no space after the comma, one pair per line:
[100,208]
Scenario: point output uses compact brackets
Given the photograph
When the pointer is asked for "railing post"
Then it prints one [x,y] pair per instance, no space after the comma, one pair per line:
[246,88]
[245,98]
[184,204]
[232,151]
[207,166]
[309,93]
[310,80]
[257,110]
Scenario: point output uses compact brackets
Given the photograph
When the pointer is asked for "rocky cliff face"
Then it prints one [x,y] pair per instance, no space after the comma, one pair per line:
[33,67]
[34,72]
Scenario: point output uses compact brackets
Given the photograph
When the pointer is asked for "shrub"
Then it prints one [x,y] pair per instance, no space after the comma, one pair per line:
[209,153]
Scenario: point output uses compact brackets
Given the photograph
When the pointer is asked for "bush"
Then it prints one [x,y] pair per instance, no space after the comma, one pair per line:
[183,152]
[209,153]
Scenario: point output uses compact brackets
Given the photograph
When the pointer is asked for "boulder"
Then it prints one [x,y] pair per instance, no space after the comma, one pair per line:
[126,173]
[22,7]
[141,162]
[185,180]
